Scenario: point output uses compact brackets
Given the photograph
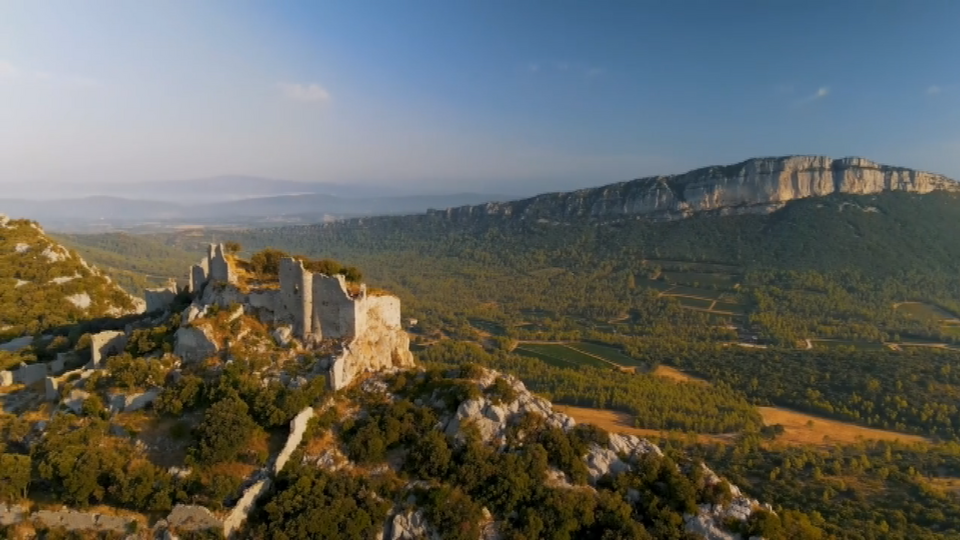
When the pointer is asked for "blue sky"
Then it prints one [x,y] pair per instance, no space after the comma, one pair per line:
[469,95]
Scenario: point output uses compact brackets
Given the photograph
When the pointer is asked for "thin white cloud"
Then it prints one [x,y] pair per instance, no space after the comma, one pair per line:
[304,93]
[821,93]
[8,70]
[934,90]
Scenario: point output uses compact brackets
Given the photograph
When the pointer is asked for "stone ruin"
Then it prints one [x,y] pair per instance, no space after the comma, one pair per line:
[213,267]
[310,306]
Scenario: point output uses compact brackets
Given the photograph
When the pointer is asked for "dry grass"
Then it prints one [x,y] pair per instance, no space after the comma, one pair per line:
[674,374]
[233,469]
[945,484]
[825,432]
[620,422]
[321,444]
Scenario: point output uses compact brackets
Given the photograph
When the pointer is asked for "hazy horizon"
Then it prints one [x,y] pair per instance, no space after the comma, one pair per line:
[489,97]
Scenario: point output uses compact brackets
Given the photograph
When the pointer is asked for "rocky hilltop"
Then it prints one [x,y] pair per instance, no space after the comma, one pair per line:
[758,185]
[44,285]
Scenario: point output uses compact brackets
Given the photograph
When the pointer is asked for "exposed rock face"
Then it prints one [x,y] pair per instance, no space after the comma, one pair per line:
[409,526]
[194,344]
[755,185]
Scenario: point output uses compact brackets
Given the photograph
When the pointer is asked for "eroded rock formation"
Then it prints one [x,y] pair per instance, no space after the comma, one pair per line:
[755,185]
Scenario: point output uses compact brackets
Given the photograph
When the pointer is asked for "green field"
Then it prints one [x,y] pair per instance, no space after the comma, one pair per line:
[920,310]
[737,309]
[561,353]
[654,284]
[488,326]
[723,281]
[698,303]
[690,266]
[860,345]
[691,291]
[607,353]
[951,330]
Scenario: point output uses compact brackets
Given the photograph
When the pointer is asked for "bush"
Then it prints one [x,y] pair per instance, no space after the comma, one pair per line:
[267,262]
[226,430]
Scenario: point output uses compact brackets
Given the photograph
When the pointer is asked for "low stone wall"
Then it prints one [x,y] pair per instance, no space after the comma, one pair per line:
[104,345]
[33,373]
[239,513]
[298,426]
[71,520]
[160,297]
[244,506]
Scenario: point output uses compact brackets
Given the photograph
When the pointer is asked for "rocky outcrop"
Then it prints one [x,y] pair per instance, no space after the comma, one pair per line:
[755,185]
[409,525]
[194,344]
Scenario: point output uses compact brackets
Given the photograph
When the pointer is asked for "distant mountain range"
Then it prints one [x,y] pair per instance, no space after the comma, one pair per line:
[223,200]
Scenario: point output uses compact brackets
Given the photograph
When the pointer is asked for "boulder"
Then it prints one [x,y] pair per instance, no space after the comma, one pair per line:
[194,344]
[408,526]
[135,402]
[74,400]
[283,335]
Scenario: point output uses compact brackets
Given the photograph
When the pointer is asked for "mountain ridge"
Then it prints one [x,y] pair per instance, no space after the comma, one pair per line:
[756,185]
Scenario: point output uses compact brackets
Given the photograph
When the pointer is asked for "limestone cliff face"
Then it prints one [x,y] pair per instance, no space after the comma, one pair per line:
[755,185]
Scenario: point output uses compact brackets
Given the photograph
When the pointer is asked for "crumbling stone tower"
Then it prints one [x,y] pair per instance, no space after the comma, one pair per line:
[296,296]
[214,267]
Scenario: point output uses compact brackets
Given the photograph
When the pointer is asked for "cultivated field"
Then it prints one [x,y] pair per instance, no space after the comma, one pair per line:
[620,422]
[577,353]
[919,310]
[675,374]
[799,430]
[559,354]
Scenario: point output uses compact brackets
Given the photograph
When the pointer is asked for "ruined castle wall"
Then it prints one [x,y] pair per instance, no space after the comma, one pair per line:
[385,308]
[334,311]
[104,345]
[198,275]
[219,267]
[296,297]
[30,373]
[161,297]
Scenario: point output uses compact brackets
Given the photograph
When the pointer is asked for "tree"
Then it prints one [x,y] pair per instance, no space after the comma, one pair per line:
[14,476]
[232,247]
[267,262]
[226,429]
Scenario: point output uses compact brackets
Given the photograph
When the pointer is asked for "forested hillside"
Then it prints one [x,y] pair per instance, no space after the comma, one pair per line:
[844,306]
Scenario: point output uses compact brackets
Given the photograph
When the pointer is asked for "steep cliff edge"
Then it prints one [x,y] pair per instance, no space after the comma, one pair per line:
[756,185]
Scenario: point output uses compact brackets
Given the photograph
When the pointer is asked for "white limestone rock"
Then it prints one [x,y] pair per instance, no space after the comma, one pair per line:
[19,283]
[74,400]
[193,344]
[283,335]
[21,247]
[409,525]
[65,279]
[55,253]
[135,402]
[81,300]
[492,419]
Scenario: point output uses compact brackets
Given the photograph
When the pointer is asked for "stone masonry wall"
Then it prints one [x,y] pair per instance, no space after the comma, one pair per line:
[334,311]
[104,345]
[160,297]
[296,297]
